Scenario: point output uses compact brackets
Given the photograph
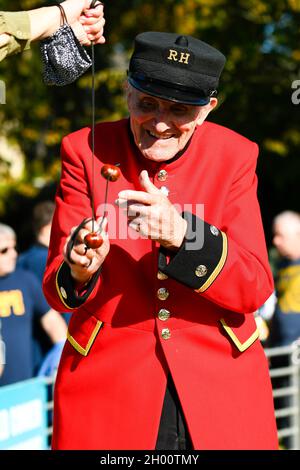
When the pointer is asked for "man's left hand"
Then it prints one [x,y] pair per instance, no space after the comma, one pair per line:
[151,213]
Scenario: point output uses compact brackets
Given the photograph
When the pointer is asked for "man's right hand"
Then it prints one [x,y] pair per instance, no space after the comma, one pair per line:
[86,262]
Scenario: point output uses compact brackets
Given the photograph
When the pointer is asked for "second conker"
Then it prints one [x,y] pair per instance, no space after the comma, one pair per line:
[110,172]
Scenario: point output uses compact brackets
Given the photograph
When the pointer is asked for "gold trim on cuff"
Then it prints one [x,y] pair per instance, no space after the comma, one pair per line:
[241,346]
[80,349]
[218,268]
[58,289]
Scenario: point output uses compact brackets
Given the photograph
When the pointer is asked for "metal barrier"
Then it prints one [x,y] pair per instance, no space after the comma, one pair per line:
[50,381]
[287,390]
[284,363]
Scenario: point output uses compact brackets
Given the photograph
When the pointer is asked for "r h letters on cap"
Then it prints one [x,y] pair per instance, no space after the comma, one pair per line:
[181,57]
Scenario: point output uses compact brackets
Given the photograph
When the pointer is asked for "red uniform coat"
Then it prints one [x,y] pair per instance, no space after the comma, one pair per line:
[126,335]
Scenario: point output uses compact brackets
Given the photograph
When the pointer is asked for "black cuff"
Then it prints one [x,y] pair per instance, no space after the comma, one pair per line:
[66,289]
[201,256]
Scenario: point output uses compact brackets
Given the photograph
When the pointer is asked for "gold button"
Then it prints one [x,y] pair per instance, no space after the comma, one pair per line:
[166,334]
[201,270]
[162,175]
[162,293]
[63,292]
[164,314]
[214,230]
[161,276]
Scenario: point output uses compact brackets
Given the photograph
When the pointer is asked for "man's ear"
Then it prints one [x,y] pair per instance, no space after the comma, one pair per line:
[205,110]
[213,103]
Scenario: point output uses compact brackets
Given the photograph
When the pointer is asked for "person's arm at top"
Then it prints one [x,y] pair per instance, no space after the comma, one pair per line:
[19,29]
[14,32]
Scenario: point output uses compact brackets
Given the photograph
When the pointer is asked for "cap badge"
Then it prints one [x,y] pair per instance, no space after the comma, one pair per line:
[181,57]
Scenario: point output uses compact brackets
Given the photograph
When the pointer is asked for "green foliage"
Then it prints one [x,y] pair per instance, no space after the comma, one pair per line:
[260,39]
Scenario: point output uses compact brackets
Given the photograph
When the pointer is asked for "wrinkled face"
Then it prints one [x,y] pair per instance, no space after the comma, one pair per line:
[162,128]
[286,238]
[8,254]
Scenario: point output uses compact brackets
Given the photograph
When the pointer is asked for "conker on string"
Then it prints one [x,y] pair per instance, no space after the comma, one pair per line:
[93,240]
[110,172]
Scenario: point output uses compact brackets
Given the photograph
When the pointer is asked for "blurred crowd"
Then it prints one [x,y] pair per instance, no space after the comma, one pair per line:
[277,320]
[32,333]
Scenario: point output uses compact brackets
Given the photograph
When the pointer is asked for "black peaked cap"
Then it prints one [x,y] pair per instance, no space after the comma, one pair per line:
[175,67]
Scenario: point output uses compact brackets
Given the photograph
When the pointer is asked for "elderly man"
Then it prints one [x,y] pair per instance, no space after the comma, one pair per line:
[162,349]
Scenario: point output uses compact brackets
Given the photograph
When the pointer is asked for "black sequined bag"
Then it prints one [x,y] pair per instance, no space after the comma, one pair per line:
[64,59]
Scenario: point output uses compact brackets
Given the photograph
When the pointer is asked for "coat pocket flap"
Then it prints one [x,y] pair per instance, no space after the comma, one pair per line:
[242,338]
[82,331]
